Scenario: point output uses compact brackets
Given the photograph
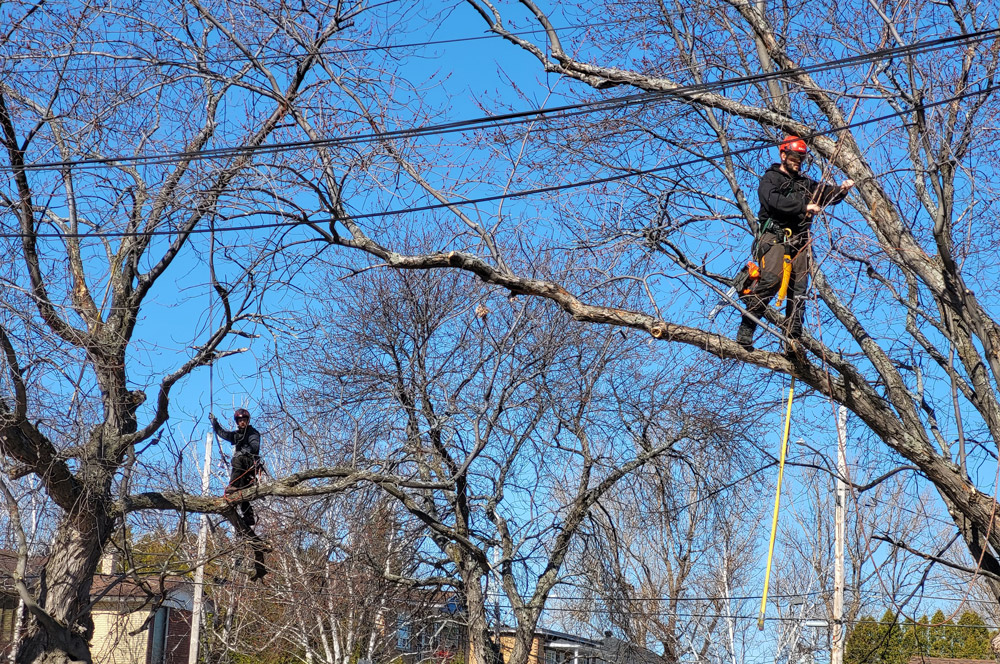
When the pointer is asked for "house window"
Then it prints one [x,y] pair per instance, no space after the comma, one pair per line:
[8,616]
[553,656]
[449,638]
[403,632]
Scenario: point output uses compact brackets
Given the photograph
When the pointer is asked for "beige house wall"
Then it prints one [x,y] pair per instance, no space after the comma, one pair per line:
[112,642]
[507,648]
[8,618]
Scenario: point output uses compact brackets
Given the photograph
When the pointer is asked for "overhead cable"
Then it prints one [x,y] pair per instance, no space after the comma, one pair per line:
[633,173]
[679,93]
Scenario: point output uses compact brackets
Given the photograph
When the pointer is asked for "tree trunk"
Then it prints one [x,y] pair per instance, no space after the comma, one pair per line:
[65,590]
[483,649]
[524,637]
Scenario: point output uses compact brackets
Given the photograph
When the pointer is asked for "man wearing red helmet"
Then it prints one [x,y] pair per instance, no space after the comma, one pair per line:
[788,202]
[246,458]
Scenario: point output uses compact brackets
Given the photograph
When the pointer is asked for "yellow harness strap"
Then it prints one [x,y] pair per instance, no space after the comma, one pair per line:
[786,272]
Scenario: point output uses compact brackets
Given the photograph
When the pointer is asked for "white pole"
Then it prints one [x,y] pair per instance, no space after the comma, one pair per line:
[199,573]
[16,634]
[837,633]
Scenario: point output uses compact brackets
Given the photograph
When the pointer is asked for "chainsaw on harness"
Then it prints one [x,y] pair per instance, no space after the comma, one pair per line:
[746,279]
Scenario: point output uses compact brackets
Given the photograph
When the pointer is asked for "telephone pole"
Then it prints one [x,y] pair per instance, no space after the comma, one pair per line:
[839,534]
[199,573]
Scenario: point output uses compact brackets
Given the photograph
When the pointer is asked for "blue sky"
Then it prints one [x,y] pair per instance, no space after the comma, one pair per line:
[463,77]
[458,81]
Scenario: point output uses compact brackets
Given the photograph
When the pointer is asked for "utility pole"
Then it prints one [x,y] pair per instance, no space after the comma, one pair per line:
[199,573]
[839,534]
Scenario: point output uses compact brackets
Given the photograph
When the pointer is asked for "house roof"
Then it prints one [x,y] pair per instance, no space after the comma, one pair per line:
[177,592]
[8,563]
[609,649]
[616,651]
[106,587]
[560,636]
[114,585]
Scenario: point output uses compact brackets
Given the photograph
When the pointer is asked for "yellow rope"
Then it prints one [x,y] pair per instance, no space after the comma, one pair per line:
[777,501]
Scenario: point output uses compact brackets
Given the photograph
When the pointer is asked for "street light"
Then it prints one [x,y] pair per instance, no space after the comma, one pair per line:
[821,623]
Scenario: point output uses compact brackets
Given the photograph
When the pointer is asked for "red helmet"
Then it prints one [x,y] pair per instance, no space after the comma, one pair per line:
[241,413]
[793,144]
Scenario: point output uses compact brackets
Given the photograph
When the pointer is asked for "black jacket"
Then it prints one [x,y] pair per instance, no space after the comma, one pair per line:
[246,441]
[783,199]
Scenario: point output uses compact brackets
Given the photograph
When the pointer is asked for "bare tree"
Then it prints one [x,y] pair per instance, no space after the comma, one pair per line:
[901,331]
[96,227]
[675,577]
[524,420]
[329,598]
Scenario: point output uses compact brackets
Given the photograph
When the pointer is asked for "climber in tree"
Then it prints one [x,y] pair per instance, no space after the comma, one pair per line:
[246,458]
[788,202]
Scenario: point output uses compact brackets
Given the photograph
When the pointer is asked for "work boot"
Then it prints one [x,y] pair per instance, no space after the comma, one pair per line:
[792,348]
[259,568]
[744,335]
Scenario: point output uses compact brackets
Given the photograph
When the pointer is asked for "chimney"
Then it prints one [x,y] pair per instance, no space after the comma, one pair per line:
[108,561]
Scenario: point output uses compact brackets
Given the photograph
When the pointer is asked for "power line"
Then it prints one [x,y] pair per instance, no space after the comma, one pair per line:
[507,195]
[146,61]
[231,585]
[627,599]
[519,117]
[555,598]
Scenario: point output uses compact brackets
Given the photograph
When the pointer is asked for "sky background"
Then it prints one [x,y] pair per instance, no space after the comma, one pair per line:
[467,72]
[468,77]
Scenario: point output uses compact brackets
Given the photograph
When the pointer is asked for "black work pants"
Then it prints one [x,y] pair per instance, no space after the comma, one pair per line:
[243,475]
[770,256]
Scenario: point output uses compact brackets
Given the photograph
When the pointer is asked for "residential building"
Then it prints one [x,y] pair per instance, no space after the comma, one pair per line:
[552,647]
[429,628]
[129,627]
[133,623]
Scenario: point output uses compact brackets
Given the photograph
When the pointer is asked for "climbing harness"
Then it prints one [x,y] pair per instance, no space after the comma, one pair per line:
[777,501]
[786,270]
[746,279]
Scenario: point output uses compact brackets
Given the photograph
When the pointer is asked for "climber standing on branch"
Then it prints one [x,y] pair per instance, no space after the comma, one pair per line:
[246,458]
[788,202]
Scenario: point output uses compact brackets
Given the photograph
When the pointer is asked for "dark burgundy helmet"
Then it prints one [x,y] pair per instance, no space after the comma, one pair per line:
[241,414]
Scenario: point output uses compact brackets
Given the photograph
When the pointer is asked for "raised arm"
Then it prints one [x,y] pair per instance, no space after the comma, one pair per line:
[219,431]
